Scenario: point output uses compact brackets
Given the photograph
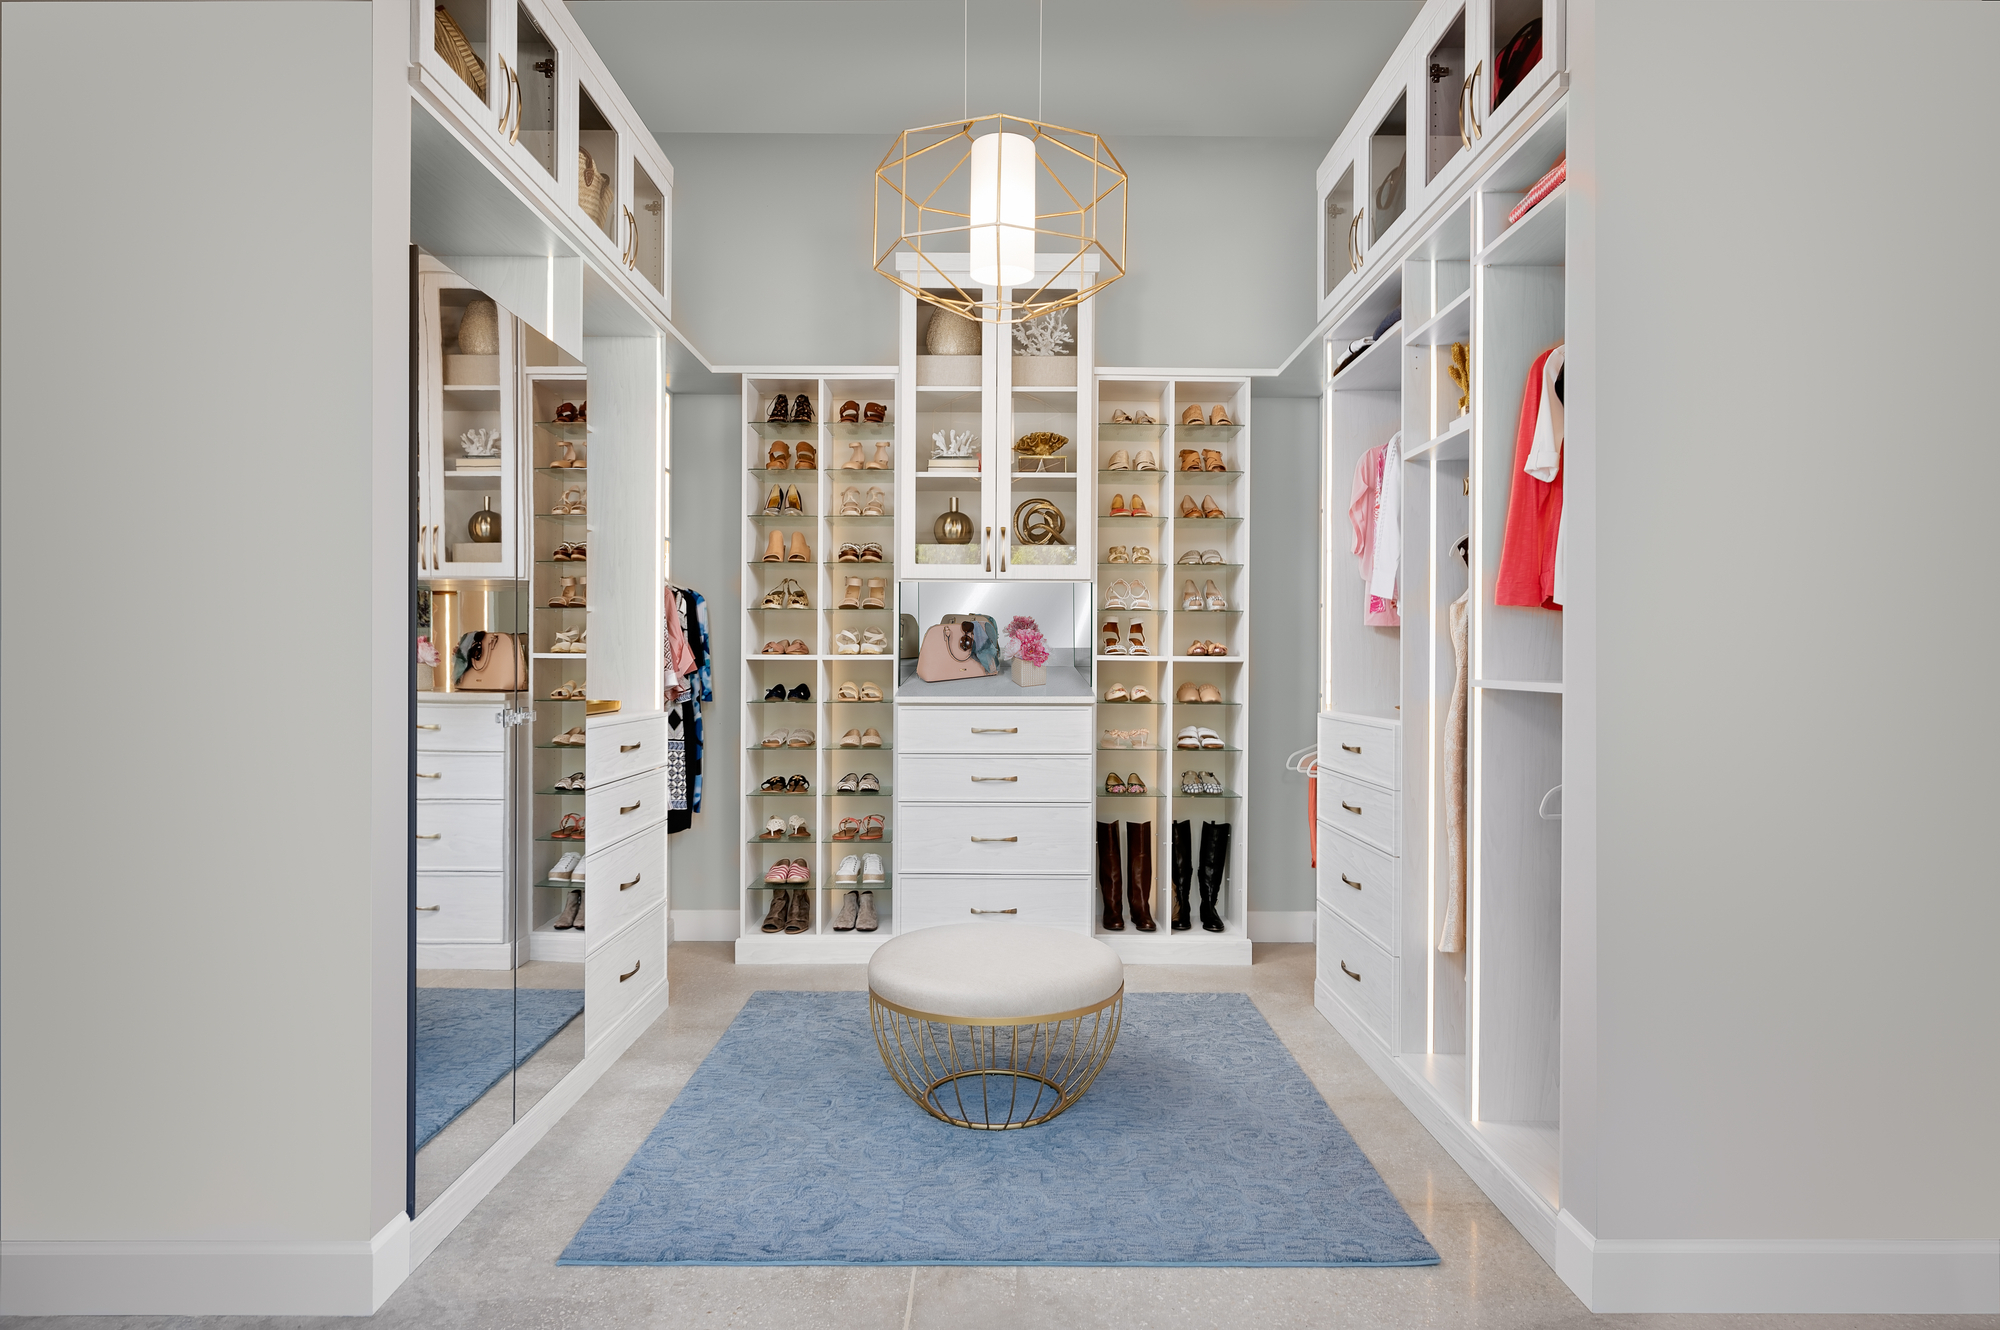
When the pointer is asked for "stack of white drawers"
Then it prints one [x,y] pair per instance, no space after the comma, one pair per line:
[1360,838]
[461,833]
[993,815]
[625,865]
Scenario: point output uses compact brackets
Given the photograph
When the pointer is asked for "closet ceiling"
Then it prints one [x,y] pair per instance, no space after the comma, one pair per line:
[1222,68]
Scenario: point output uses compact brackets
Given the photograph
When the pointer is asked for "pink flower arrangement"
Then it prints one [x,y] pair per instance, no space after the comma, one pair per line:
[426,653]
[1022,640]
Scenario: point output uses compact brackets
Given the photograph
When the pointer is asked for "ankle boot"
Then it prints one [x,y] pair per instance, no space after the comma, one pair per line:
[1139,874]
[1183,874]
[1214,866]
[1107,876]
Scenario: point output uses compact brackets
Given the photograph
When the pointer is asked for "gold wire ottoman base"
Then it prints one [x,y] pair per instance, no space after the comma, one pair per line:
[995,1075]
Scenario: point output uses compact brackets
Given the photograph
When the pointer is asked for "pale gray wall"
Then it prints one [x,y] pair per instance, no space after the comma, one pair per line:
[197,834]
[1792,446]
[773,251]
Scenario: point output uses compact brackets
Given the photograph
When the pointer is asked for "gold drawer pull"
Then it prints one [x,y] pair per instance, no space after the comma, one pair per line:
[430,907]
[1011,729]
[626,748]
[435,835]
[629,807]
[635,969]
[1350,881]
[430,727]
[1350,748]
[1349,973]
[996,911]
[1349,807]
[627,886]
[430,775]
[997,840]
[999,778]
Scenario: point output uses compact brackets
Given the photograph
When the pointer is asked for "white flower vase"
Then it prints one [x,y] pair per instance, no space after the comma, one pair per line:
[1029,676]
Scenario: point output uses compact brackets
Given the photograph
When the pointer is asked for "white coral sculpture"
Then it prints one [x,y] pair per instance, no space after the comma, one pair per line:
[1043,336]
[480,442]
[961,443]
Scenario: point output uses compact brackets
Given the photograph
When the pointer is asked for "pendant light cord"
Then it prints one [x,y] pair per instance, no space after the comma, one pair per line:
[965,60]
[1038,59]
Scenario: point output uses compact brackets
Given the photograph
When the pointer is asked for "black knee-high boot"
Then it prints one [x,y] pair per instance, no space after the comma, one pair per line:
[1183,868]
[1139,874]
[1214,867]
[1108,877]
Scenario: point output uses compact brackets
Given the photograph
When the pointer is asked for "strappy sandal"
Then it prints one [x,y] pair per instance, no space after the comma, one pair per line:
[874,642]
[850,829]
[877,505]
[796,598]
[1142,554]
[774,599]
[883,460]
[853,462]
[850,412]
[571,502]
[846,643]
[568,459]
[1137,597]
[1192,556]
[872,826]
[805,457]
[1135,644]
[850,502]
[877,597]
[1190,459]
[779,458]
[846,693]
[1116,599]
[874,413]
[797,647]
[1211,460]
[802,410]
[1121,416]
[798,785]
[849,553]
[870,693]
[871,552]
[799,829]
[1143,418]
[1113,643]
[1117,554]
[851,597]
[1211,556]
[781,411]
[774,785]
[774,829]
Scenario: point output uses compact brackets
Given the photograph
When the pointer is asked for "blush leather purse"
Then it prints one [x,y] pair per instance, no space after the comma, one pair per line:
[950,650]
[496,663]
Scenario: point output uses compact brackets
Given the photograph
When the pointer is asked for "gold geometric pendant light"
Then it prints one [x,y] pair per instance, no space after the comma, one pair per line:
[1000,189]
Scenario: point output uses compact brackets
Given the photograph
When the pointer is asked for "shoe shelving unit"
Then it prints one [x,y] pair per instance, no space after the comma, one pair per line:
[1168,630]
[857,456]
[548,388]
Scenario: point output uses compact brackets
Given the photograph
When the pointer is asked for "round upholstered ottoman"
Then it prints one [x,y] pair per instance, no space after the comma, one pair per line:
[995,1026]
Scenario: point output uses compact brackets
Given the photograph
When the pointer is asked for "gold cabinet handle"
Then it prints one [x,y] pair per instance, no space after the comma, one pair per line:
[1349,807]
[629,973]
[437,554]
[1349,973]
[429,727]
[995,778]
[1350,748]
[507,106]
[628,808]
[514,83]
[1353,248]
[627,886]
[995,729]
[994,840]
[631,237]
[1469,106]
[983,545]
[626,748]
[1000,548]
[996,911]
[430,908]
[435,835]
[1350,881]
[429,775]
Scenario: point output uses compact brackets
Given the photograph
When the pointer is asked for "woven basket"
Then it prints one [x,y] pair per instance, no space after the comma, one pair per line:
[593,187]
[458,53]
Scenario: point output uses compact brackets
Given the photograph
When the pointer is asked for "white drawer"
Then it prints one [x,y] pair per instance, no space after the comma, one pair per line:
[1056,902]
[462,775]
[467,835]
[624,808]
[1003,729]
[1359,809]
[614,748]
[460,727]
[621,971]
[461,907]
[1002,839]
[993,780]
[1370,750]
[1358,882]
[623,882]
[1357,971]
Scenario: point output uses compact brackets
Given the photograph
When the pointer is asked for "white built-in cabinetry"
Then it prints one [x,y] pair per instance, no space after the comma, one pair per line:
[1469,1038]
[458,394]
[461,833]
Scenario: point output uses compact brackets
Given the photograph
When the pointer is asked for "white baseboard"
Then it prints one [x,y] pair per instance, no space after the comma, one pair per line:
[1798,1275]
[706,925]
[1283,925]
[204,1278]
[455,1202]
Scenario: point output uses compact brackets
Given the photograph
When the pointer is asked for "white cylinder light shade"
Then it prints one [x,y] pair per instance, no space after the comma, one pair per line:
[1003,209]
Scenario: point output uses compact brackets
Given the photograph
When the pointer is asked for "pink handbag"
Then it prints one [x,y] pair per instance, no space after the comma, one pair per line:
[947,652]
[501,666]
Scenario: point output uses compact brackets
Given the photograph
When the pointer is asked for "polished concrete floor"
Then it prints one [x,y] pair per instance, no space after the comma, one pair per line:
[498,1271]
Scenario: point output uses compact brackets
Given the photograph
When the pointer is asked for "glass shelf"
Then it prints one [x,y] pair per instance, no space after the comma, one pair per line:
[562,748]
[1151,520]
[1206,433]
[1120,431]
[562,517]
[1209,521]
[1202,704]
[1207,611]
[1178,749]
[1204,475]
[561,794]
[569,431]
[560,886]
[1127,794]
[791,518]
[1226,794]
[561,840]
[866,431]
[1128,474]
[779,794]
[1154,749]
[1188,569]
[560,470]
[560,563]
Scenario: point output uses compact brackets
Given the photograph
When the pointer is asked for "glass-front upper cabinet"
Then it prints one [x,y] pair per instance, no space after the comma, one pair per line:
[455,44]
[468,432]
[1388,170]
[646,229]
[1339,225]
[1517,48]
[532,131]
[597,168]
[1445,89]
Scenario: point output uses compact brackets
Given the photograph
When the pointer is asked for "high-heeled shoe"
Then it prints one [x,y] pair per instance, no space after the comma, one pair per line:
[1190,598]
[1210,508]
[854,461]
[1219,416]
[805,457]
[850,502]
[1137,597]
[1188,507]
[775,501]
[1115,600]
[1135,643]
[800,551]
[878,594]
[779,458]
[1191,416]
[1118,462]
[1190,459]
[1211,460]
[878,503]
[1145,461]
[1110,643]
[883,460]
[774,549]
[851,598]
[794,503]
[1212,598]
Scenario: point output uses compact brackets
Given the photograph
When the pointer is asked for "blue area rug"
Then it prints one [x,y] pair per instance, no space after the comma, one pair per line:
[1202,1143]
[468,1038]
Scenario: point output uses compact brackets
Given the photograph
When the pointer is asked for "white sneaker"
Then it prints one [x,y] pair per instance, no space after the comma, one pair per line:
[871,868]
[850,869]
[576,874]
[560,873]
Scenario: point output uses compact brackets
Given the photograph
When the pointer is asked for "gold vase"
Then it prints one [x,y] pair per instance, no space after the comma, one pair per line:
[952,527]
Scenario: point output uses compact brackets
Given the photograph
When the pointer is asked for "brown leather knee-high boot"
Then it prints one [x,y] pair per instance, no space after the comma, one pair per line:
[1183,868]
[1107,876]
[1139,874]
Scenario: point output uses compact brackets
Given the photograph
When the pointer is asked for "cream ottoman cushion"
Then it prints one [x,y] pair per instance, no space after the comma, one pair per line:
[994,972]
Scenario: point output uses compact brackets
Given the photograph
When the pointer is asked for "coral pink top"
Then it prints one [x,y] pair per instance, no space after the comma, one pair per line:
[1362,510]
[1534,514]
